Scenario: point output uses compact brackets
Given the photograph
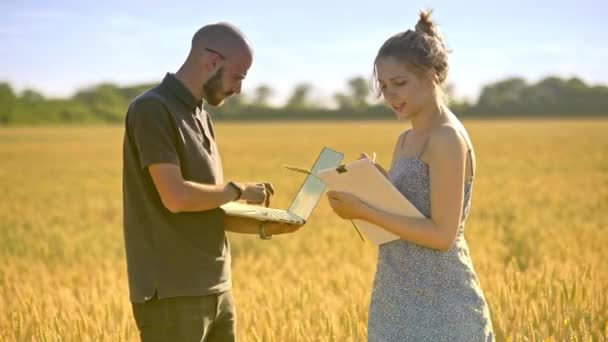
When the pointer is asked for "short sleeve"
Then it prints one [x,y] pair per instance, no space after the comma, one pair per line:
[153,132]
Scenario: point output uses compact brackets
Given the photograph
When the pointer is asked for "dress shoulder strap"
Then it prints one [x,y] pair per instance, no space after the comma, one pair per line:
[470,155]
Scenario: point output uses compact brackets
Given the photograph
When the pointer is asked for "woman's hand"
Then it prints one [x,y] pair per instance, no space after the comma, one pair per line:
[346,205]
[364,155]
[373,160]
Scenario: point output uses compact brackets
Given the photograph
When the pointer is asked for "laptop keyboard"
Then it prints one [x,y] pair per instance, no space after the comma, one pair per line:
[276,214]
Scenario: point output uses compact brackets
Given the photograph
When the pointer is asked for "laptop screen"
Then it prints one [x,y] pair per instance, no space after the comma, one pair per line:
[309,194]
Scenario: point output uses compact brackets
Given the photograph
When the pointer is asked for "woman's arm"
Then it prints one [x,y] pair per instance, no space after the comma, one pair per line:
[447,157]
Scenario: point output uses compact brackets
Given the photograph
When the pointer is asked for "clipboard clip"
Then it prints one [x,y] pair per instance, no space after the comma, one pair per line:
[341,169]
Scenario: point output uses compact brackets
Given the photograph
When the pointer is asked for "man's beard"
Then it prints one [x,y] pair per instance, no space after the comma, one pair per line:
[214,89]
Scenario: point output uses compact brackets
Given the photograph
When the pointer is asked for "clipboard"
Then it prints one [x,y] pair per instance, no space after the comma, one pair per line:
[362,179]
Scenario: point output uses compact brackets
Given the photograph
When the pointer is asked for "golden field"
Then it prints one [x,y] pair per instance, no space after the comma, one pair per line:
[538,232]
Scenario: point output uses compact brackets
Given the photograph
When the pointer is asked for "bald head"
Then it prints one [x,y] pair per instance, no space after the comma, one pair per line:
[218,62]
[223,38]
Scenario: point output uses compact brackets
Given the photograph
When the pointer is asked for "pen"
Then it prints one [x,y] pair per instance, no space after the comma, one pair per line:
[308,172]
[357,229]
[298,169]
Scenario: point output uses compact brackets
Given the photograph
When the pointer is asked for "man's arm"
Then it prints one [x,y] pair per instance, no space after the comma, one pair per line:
[179,195]
[251,226]
[150,127]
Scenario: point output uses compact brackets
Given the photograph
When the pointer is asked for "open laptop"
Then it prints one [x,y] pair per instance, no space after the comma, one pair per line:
[303,203]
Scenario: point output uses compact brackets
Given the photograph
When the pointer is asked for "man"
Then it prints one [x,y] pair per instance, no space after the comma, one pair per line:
[178,258]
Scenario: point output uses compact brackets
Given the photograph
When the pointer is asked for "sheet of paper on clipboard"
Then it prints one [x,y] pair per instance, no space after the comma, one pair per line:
[362,179]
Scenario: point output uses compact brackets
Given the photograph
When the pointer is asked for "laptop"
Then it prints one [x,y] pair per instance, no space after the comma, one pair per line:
[303,203]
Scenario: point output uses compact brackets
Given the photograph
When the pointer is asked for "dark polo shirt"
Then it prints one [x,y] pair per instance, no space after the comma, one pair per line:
[183,254]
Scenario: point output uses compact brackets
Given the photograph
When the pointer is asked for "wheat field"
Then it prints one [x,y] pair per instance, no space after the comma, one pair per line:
[538,233]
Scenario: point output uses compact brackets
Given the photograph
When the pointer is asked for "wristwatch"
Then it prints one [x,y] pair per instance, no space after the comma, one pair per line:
[262,233]
[238,189]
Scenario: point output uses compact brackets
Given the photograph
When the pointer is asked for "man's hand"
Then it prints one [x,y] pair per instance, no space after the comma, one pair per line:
[245,225]
[257,193]
[278,228]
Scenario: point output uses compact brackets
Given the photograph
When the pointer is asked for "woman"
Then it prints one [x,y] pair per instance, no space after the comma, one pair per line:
[425,288]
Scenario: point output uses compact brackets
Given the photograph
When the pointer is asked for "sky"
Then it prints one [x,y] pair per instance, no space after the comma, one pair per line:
[58,47]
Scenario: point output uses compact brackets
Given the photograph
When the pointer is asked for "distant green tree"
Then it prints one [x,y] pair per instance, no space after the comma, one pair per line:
[357,96]
[31,108]
[359,92]
[550,96]
[457,105]
[7,103]
[343,101]
[503,97]
[263,94]
[106,102]
[300,98]
[31,96]
[131,92]
[509,97]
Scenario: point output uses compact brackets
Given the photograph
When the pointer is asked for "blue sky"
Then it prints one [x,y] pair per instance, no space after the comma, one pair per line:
[57,47]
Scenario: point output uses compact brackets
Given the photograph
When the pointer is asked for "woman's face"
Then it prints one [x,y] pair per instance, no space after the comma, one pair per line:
[404,91]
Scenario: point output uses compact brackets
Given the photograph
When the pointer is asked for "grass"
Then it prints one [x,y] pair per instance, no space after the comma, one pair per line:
[538,232]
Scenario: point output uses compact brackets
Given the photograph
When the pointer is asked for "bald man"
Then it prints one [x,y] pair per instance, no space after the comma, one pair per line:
[178,257]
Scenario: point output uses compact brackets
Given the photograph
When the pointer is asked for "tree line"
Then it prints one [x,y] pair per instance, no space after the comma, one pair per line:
[511,97]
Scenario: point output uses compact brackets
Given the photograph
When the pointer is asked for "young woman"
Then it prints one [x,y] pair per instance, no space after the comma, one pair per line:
[425,288]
